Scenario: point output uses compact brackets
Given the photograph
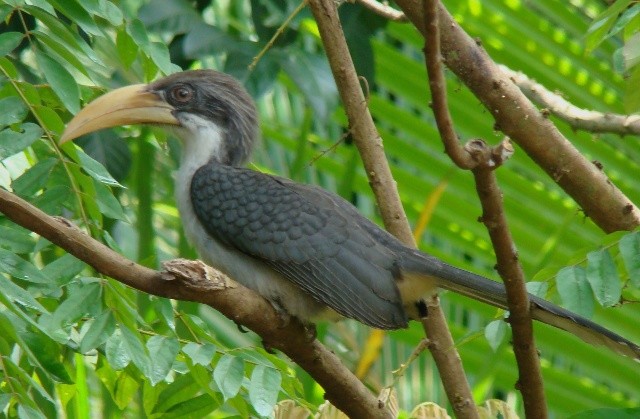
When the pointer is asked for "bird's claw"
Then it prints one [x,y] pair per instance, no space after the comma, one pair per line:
[241,328]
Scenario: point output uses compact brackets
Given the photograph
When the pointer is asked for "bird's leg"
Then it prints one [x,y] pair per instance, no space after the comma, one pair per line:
[423,310]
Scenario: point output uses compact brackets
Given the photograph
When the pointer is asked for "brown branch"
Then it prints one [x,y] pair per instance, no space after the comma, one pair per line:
[530,381]
[518,118]
[482,161]
[369,144]
[383,10]
[577,118]
[194,281]
[438,87]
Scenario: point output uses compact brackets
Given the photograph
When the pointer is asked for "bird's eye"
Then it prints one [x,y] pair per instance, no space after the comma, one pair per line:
[182,94]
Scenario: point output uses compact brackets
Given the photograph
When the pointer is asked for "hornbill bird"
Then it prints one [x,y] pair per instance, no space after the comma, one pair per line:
[307,251]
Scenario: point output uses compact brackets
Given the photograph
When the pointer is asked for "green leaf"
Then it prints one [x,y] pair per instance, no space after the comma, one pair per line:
[539,289]
[14,265]
[13,110]
[109,150]
[9,41]
[29,412]
[96,170]
[312,75]
[178,16]
[182,389]
[197,407]
[630,251]
[52,200]
[47,352]
[575,291]
[108,204]
[139,34]
[126,389]
[117,355]
[200,354]
[76,13]
[495,333]
[603,277]
[126,47]
[35,178]
[17,295]
[61,81]
[228,375]
[264,388]
[12,142]
[63,269]
[100,330]
[61,49]
[82,300]
[160,56]
[163,353]
[631,413]
[132,343]
[16,239]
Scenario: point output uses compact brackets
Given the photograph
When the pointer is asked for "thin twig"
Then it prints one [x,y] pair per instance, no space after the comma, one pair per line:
[384,10]
[437,85]
[579,119]
[369,144]
[275,36]
[194,281]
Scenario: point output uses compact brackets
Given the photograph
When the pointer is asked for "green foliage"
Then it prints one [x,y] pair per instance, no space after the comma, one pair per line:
[73,342]
[622,18]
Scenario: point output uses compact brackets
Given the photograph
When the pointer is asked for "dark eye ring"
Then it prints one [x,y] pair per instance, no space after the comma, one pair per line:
[182,94]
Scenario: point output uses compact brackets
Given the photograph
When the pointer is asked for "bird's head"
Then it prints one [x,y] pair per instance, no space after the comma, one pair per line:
[203,108]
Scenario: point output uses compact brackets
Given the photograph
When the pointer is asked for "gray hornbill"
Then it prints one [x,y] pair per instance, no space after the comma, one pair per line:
[307,251]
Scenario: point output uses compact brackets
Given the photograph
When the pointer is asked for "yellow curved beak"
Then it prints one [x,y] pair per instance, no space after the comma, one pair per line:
[124,106]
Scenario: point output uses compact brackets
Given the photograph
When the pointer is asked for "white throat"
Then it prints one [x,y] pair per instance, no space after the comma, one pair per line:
[201,140]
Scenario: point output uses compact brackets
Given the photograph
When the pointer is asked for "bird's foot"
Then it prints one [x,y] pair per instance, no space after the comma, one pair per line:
[310,332]
[284,318]
[267,347]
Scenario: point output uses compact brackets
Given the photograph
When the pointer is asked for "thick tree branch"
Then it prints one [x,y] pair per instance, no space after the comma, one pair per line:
[579,119]
[482,161]
[518,118]
[194,281]
[369,143]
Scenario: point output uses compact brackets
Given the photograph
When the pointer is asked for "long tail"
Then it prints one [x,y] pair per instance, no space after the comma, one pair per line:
[482,289]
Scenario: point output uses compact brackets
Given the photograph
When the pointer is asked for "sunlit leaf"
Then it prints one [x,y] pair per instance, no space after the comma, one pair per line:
[199,354]
[228,375]
[495,332]
[264,388]
[603,277]
[99,331]
[630,251]
[163,352]
[575,291]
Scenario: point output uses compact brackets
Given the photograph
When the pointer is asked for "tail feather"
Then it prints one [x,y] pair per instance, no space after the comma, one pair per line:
[482,289]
